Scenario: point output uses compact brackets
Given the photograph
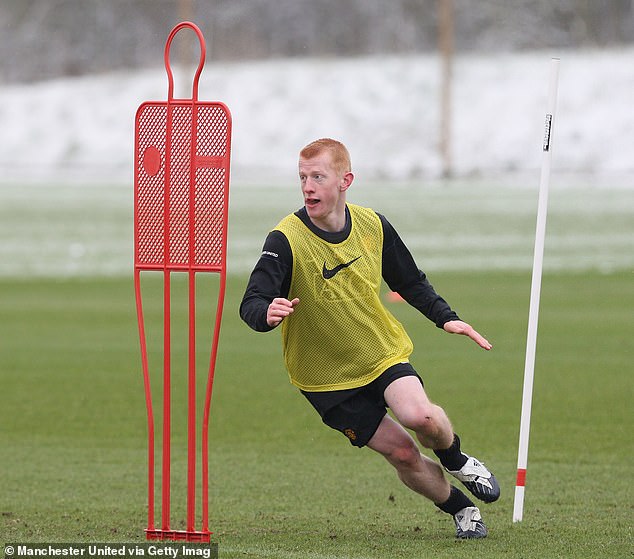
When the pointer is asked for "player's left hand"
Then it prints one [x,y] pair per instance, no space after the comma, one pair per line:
[459,327]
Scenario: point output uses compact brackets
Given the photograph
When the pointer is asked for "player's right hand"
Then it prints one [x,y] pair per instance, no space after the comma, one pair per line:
[279,309]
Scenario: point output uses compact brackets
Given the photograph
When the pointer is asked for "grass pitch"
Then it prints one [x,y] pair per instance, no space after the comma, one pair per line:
[73,420]
[282,485]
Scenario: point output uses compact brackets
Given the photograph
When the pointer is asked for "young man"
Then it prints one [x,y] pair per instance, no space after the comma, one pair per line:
[319,276]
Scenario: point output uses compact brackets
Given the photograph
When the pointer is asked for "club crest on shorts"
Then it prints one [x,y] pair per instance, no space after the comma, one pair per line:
[350,434]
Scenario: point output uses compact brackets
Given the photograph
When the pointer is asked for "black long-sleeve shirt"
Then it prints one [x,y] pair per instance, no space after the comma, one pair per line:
[272,275]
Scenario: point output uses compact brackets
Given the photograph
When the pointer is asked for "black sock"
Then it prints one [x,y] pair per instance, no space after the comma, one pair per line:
[456,502]
[451,458]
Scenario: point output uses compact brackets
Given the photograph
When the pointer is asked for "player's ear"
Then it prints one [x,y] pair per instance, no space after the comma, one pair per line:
[346,181]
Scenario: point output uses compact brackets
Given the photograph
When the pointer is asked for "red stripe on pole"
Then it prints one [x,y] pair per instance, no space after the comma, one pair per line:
[521,477]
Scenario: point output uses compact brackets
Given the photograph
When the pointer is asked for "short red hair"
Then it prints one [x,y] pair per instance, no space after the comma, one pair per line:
[338,153]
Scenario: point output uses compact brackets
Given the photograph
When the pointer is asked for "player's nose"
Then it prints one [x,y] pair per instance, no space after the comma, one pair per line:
[308,186]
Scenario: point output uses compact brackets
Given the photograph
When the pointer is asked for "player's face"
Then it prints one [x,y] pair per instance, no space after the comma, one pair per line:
[324,191]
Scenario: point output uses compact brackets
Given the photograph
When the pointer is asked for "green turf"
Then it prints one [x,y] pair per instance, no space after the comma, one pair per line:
[73,446]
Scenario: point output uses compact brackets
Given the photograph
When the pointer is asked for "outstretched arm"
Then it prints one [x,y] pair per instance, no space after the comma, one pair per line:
[402,275]
[460,327]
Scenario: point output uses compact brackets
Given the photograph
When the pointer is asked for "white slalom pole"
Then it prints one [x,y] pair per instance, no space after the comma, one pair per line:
[533,313]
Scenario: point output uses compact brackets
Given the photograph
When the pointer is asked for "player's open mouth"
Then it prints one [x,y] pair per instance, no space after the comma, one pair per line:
[311,202]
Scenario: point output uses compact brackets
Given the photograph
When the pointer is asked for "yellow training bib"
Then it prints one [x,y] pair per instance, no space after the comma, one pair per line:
[340,335]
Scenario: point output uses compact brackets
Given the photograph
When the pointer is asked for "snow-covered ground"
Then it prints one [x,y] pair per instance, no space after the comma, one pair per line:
[385,109]
[58,137]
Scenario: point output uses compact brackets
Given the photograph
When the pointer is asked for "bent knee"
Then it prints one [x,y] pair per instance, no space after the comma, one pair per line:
[426,421]
[406,455]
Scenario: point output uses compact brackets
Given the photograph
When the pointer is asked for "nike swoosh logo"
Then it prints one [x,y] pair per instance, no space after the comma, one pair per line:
[328,274]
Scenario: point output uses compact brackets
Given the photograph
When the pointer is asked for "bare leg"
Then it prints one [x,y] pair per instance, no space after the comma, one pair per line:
[412,408]
[419,473]
[408,401]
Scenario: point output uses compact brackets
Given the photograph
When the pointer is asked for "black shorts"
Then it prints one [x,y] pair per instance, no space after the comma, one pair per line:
[357,412]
